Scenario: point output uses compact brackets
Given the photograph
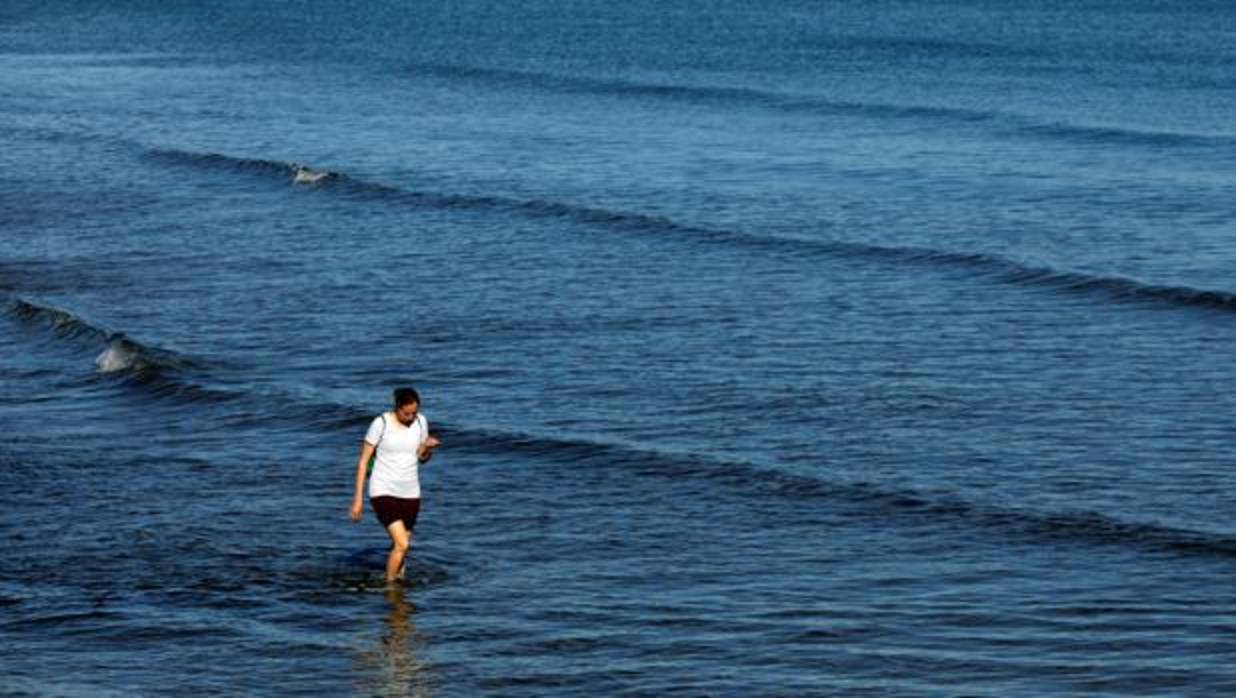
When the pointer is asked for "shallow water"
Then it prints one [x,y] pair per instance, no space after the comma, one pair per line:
[804,350]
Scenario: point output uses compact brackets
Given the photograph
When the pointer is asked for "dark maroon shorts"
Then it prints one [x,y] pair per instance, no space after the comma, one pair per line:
[392,509]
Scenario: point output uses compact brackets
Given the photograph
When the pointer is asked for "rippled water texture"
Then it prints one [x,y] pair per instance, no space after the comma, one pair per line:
[806,349]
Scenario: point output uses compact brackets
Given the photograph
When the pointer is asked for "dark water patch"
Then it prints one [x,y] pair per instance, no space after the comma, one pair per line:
[360,572]
[65,621]
[59,136]
[154,631]
[927,47]
[105,60]
[164,386]
[316,417]
[1113,287]
[1002,269]
[1123,137]
[1130,289]
[1083,526]
[419,574]
[41,276]
[573,644]
[1098,527]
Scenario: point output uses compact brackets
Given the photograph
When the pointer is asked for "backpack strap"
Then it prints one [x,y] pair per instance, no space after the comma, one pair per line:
[420,419]
[374,456]
[379,443]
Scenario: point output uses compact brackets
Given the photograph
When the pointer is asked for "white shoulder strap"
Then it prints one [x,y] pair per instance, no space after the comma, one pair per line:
[379,443]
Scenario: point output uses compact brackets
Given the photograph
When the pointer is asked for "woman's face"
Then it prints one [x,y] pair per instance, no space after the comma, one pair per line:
[406,413]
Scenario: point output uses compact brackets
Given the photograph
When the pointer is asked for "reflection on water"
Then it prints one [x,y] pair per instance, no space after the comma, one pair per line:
[391,666]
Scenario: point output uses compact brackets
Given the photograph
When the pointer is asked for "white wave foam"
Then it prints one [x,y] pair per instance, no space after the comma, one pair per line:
[305,175]
[116,357]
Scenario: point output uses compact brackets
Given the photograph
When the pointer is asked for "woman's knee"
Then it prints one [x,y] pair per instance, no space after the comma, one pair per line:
[401,541]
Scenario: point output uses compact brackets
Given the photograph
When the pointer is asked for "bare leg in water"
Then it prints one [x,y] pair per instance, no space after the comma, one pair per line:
[401,540]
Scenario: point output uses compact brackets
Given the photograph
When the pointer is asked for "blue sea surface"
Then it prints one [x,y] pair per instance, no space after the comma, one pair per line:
[796,348]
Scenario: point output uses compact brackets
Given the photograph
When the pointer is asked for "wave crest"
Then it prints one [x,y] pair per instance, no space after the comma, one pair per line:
[993,266]
[1116,288]
[824,106]
[61,322]
[164,372]
[874,500]
[289,171]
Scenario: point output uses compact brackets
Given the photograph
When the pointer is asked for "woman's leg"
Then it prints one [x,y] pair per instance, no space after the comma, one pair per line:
[401,539]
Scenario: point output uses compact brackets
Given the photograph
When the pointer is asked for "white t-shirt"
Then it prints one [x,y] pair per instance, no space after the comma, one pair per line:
[395,470]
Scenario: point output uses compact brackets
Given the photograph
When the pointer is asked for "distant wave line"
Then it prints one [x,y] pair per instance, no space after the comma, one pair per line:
[1117,288]
[804,103]
[290,172]
[994,267]
[692,93]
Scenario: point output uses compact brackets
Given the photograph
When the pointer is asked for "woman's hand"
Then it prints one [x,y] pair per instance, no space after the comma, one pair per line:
[357,511]
[426,450]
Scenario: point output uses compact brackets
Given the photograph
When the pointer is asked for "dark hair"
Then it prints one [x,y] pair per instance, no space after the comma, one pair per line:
[404,396]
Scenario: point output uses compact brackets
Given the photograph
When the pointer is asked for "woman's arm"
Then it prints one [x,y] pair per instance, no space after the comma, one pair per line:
[362,469]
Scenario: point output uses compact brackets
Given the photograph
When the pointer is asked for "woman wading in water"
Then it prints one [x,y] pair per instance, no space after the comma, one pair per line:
[399,442]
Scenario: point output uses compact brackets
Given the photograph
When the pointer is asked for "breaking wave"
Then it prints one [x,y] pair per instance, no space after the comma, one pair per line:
[162,372]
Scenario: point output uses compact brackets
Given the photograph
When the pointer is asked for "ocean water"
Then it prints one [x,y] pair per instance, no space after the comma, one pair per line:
[791,348]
